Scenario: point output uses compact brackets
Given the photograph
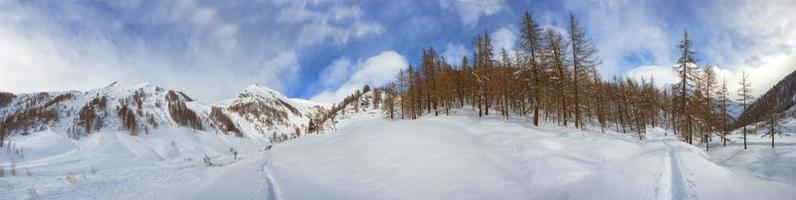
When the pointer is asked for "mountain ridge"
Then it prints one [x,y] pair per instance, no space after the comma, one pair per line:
[256,112]
[782,94]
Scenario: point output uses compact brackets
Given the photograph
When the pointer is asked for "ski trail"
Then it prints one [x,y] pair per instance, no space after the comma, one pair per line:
[663,185]
[680,186]
[273,191]
[677,189]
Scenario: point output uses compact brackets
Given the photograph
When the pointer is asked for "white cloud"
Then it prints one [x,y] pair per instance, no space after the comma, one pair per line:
[768,49]
[471,10]
[29,62]
[277,71]
[337,72]
[751,36]
[210,51]
[375,71]
[503,38]
[663,75]
[622,28]
[338,24]
[453,53]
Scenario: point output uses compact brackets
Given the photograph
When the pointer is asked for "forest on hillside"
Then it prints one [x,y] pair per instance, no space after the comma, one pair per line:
[552,78]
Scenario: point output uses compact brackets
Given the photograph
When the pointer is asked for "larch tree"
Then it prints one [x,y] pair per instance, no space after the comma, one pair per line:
[429,72]
[773,119]
[687,73]
[504,82]
[745,97]
[532,48]
[546,78]
[709,81]
[389,102]
[583,61]
[483,60]
[598,87]
[557,45]
[723,106]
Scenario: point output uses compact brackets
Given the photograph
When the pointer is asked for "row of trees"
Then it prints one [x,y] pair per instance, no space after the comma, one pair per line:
[701,104]
[552,77]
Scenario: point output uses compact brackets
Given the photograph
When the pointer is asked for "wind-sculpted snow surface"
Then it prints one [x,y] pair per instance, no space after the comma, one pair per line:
[116,165]
[368,157]
[470,158]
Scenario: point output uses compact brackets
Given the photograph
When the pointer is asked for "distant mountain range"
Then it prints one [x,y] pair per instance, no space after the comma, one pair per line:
[256,112]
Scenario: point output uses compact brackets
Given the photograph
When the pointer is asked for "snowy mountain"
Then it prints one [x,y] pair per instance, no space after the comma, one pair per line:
[136,109]
[257,112]
[734,109]
[146,142]
[784,93]
[369,157]
[261,111]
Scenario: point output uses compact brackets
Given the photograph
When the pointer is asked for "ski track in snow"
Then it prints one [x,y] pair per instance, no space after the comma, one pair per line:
[664,181]
[681,187]
[272,190]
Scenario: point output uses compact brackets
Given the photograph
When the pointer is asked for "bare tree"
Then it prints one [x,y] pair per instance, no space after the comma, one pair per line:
[687,72]
[531,45]
[556,45]
[723,106]
[773,119]
[583,62]
[745,97]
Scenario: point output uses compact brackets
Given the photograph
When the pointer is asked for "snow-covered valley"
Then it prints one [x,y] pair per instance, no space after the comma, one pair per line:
[369,157]
[398,100]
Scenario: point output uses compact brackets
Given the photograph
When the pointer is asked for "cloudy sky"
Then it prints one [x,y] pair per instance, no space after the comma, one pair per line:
[320,49]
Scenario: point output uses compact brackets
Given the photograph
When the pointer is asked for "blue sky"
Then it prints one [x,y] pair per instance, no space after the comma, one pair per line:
[324,49]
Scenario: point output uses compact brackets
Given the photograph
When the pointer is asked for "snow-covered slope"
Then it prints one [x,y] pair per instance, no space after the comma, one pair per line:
[165,164]
[362,156]
[734,108]
[464,157]
[257,112]
[136,109]
[783,93]
[262,112]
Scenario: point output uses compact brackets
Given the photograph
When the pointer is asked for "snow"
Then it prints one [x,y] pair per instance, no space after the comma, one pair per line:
[778,164]
[369,157]
[470,158]
[262,127]
[114,165]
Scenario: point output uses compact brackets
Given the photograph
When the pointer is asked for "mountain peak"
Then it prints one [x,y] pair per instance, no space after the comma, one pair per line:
[141,85]
[260,90]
